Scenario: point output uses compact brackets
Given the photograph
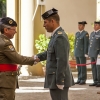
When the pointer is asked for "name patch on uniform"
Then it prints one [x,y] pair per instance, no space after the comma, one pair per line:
[11,47]
[97,35]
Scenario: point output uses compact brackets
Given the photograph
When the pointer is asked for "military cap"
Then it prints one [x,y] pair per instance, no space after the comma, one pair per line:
[96,22]
[8,21]
[49,13]
[83,22]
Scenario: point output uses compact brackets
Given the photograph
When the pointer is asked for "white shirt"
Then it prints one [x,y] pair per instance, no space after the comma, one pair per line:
[54,31]
[81,31]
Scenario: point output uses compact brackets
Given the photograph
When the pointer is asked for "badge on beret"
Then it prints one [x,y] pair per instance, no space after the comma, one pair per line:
[11,47]
[10,21]
[59,32]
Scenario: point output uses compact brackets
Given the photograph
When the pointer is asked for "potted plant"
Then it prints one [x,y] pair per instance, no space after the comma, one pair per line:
[72,60]
[41,45]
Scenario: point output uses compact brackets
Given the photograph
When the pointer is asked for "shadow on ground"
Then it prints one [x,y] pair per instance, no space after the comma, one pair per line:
[31,88]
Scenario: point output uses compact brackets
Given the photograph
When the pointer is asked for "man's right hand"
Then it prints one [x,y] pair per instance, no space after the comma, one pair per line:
[36,59]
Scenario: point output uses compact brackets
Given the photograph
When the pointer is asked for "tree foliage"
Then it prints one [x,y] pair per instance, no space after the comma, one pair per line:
[2,8]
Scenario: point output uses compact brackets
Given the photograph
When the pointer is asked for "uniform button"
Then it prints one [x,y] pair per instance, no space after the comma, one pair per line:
[53,72]
[62,81]
[12,74]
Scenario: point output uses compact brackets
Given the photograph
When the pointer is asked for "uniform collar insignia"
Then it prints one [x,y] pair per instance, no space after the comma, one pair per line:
[59,32]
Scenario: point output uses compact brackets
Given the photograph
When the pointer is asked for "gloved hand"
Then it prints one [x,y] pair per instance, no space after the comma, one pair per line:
[86,55]
[98,56]
[60,86]
[36,59]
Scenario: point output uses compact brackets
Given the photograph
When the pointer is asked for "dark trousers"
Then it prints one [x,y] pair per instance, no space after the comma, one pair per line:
[58,94]
[95,71]
[82,70]
[7,94]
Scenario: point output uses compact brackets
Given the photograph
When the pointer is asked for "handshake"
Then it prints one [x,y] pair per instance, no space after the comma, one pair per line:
[36,59]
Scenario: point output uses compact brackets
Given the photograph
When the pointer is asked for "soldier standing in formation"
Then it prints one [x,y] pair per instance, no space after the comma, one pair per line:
[8,59]
[58,76]
[94,52]
[80,51]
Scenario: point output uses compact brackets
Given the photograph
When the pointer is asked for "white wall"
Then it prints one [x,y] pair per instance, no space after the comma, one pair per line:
[72,11]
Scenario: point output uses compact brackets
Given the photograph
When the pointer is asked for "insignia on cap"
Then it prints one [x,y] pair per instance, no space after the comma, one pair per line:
[11,47]
[59,32]
[10,21]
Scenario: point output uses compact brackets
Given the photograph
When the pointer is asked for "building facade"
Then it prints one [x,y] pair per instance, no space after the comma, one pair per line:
[27,13]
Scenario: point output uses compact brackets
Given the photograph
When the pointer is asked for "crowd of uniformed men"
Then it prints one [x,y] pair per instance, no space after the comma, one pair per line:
[87,46]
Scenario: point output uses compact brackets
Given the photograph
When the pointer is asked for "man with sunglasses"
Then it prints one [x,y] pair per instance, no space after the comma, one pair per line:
[9,58]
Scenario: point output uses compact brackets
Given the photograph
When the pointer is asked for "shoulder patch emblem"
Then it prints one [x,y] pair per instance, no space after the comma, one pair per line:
[87,35]
[59,32]
[11,47]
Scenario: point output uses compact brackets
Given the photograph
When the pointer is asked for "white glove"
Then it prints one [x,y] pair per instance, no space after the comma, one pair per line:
[60,86]
[98,56]
[35,57]
[86,55]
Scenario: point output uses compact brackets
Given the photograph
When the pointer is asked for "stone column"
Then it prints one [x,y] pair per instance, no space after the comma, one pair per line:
[11,6]
[27,33]
[98,9]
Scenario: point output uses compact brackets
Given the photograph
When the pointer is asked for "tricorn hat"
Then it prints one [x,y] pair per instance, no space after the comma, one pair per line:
[49,13]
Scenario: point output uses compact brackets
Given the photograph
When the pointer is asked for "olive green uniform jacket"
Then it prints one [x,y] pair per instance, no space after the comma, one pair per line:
[8,55]
[57,66]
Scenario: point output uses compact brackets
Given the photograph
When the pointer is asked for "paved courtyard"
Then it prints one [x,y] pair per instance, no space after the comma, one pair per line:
[31,88]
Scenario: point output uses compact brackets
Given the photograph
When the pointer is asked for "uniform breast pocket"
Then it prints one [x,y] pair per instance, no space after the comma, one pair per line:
[97,36]
[51,53]
[50,50]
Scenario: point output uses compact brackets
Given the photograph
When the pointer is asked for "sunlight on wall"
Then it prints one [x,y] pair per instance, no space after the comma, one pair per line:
[98,9]
[11,12]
